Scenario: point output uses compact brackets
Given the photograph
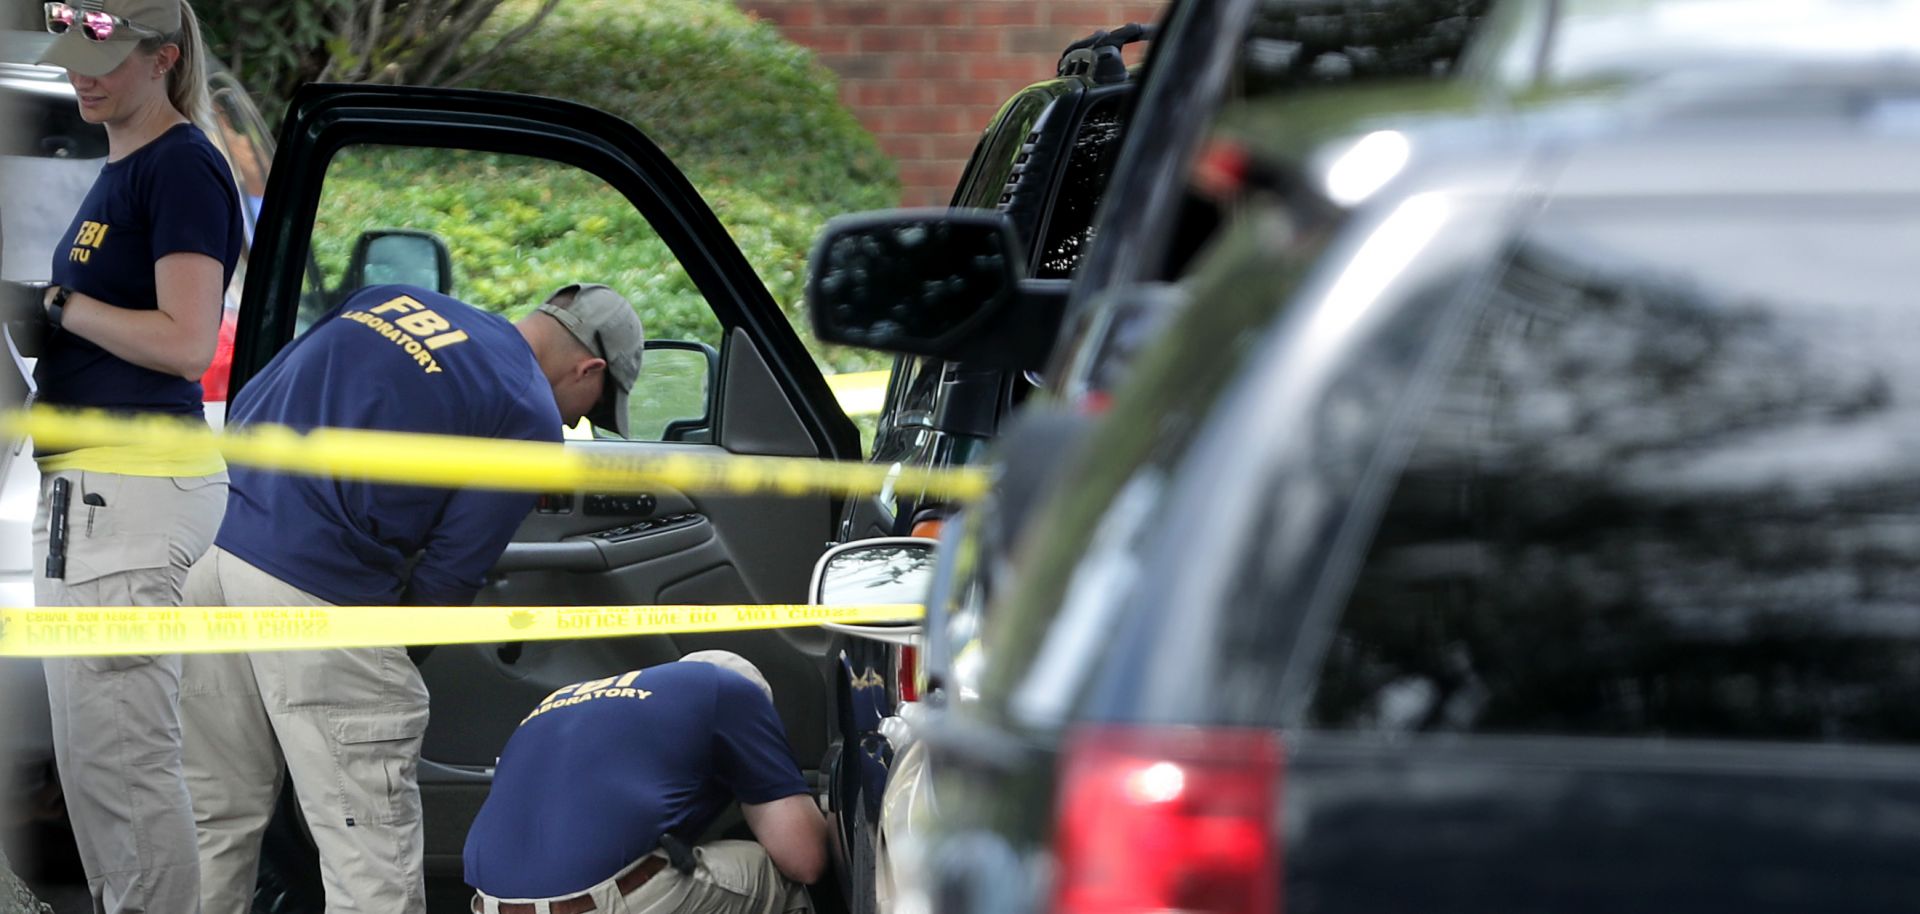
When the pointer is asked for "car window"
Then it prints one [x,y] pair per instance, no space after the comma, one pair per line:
[515,229]
[992,164]
[1069,227]
[1666,488]
[48,159]
[906,423]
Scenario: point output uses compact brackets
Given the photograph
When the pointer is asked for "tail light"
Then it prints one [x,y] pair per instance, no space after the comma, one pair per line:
[907,673]
[213,384]
[1168,819]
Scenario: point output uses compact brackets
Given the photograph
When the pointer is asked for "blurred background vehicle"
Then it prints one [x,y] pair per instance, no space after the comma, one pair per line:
[1044,163]
[1001,327]
[48,159]
[1507,512]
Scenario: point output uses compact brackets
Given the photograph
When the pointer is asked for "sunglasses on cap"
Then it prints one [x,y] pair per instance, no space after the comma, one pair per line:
[95,24]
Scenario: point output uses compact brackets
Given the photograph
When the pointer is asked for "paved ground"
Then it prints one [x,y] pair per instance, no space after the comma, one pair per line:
[58,881]
[442,898]
[69,899]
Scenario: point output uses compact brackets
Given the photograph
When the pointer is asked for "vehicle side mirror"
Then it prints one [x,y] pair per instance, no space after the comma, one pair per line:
[892,569]
[406,256]
[947,283]
[672,399]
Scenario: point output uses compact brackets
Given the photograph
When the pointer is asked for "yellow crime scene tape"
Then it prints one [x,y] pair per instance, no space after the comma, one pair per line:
[448,461]
[102,631]
[486,463]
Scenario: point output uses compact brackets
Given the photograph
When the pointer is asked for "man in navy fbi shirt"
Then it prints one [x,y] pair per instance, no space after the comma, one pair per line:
[347,724]
[603,773]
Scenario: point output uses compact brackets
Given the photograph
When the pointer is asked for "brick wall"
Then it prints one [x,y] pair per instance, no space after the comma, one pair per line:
[925,76]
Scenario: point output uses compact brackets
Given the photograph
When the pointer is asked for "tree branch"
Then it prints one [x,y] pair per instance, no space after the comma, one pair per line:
[419,12]
[345,28]
[375,18]
[493,53]
[464,24]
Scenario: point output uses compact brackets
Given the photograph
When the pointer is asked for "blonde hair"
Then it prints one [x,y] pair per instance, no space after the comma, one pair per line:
[187,81]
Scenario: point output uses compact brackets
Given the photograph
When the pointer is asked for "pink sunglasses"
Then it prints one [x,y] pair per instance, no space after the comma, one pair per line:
[96,25]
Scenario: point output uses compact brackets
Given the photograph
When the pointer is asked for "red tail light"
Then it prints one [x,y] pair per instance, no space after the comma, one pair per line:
[908,674]
[1168,819]
[213,384]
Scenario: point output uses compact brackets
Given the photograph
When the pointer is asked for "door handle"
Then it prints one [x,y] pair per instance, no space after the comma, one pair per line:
[567,555]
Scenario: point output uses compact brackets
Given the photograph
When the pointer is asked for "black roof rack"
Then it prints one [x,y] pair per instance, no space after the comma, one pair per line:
[1098,54]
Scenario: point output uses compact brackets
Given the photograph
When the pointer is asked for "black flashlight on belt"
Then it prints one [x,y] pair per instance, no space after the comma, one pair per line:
[57,528]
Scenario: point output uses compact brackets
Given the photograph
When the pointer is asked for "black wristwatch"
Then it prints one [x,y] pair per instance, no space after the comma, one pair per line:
[56,309]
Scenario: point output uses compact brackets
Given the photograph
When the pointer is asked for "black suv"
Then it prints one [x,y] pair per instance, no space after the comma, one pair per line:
[1043,162]
[1513,520]
[1010,317]
[994,324]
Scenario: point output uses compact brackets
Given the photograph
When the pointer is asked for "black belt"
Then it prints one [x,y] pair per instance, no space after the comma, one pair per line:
[583,903]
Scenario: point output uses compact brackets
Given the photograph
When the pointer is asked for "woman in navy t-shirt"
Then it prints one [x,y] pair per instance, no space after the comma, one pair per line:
[138,289]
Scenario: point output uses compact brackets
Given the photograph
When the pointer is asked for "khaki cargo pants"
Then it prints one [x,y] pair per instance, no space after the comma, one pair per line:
[732,877]
[345,725]
[116,720]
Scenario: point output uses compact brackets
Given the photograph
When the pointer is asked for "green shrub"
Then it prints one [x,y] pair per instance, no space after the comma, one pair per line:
[517,227]
[753,120]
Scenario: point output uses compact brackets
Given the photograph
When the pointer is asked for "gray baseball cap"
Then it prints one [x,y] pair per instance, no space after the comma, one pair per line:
[728,660]
[604,322]
[77,53]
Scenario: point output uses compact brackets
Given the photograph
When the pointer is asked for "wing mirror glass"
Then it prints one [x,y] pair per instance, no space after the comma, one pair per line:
[672,399]
[894,569]
[947,283]
[399,256]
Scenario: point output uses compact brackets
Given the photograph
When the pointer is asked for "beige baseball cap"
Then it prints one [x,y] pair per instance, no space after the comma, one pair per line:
[77,53]
[604,322]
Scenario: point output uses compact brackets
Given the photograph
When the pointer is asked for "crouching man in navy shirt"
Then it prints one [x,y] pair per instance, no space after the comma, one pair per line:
[346,725]
[602,774]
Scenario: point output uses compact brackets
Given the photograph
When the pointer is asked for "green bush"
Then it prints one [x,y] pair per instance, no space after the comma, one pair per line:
[517,227]
[753,120]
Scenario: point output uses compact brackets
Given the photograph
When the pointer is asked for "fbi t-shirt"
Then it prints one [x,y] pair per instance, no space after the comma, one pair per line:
[392,358]
[174,195]
[600,770]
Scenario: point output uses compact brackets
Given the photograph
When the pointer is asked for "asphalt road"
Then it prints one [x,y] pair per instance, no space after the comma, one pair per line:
[52,871]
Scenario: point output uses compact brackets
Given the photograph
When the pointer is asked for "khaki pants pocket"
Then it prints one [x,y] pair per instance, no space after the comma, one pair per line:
[362,680]
[378,757]
[125,570]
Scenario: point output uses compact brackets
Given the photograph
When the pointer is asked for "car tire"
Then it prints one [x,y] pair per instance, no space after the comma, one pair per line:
[863,895]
